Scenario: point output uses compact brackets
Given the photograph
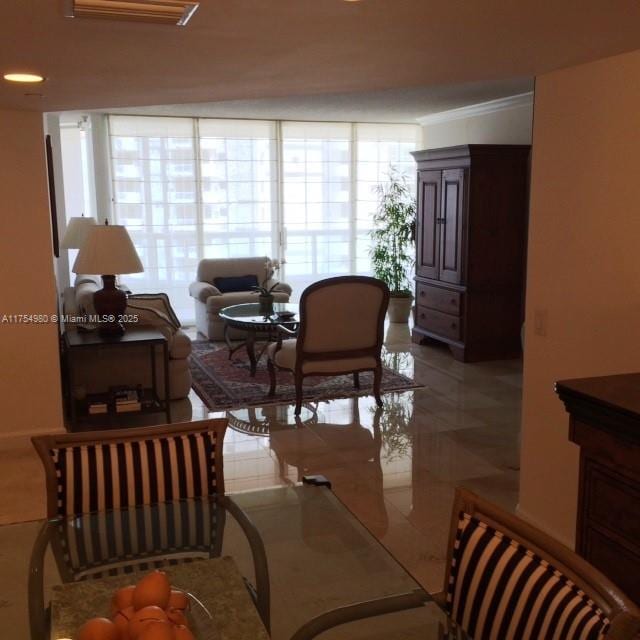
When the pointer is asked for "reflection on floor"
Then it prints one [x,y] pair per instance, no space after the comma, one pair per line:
[396,469]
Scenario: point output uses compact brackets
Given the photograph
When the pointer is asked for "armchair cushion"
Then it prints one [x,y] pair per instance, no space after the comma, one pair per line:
[203,291]
[285,358]
[215,303]
[231,284]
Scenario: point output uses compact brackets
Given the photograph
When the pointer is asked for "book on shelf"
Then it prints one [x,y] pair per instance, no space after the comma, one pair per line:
[125,408]
[127,399]
[97,407]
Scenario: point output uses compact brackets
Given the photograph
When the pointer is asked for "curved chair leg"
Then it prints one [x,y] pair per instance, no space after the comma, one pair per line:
[356,380]
[377,381]
[299,380]
[272,377]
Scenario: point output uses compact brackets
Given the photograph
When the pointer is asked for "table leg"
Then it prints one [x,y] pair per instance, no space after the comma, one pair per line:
[73,409]
[228,340]
[167,382]
[251,351]
[154,380]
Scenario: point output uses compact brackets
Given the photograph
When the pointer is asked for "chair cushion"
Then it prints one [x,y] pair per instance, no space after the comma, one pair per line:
[147,471]
[235,283]
[286,359]
[215,303]
[500,588]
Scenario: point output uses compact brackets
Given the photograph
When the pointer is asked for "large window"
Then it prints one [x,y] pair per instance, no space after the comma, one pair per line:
[301,192]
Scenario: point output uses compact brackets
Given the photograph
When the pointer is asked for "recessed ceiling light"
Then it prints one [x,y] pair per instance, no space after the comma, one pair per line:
[176,12]
[23,77]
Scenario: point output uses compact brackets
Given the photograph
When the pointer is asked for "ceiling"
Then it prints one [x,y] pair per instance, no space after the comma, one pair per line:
[254,49]
[390,105]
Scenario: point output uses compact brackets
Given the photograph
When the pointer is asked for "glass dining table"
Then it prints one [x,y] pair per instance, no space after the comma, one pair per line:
[307,566]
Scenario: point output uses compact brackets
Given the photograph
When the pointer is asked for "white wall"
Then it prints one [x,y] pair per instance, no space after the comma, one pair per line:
[583,265]
[510,125]
[30,374]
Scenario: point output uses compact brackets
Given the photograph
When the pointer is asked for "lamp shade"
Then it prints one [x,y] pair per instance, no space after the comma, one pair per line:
[107,250]
[77,231]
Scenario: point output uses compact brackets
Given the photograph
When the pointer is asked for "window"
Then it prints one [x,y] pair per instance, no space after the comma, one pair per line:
[302,192]
[317,196]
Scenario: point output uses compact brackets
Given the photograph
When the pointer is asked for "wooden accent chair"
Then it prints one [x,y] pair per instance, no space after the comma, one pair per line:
[507,579]
[341,331]
[146,494]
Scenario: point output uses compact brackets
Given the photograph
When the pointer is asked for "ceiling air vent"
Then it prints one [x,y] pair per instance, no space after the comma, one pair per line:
[176,12]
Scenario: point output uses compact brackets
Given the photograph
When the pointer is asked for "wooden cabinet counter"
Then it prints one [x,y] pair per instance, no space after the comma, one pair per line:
[605,424]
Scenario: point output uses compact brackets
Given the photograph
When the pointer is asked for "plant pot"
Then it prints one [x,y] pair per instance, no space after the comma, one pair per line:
[400,308]
[266,304]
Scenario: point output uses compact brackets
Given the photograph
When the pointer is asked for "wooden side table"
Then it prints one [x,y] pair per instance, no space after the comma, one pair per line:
[133,337]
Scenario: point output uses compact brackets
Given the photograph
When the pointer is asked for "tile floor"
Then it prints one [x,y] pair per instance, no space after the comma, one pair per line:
[395,469]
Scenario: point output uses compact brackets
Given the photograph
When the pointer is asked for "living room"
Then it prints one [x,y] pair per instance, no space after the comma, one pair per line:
[483,425]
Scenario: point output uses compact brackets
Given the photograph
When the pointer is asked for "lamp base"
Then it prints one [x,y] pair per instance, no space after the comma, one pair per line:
[110,303]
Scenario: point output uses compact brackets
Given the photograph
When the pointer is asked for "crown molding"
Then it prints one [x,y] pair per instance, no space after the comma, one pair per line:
[480,109]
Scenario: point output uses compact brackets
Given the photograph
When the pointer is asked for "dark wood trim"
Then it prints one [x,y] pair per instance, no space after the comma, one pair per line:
[53,207]
[468,150]
[600,410]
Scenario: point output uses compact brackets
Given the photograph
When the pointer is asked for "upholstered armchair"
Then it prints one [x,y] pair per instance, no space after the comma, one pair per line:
[221,283]
[341,331]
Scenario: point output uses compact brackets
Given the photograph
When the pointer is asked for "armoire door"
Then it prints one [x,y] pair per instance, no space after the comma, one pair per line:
[428,213]
[451,225]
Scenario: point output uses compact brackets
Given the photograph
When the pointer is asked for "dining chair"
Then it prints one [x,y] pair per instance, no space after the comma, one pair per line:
[507,579]
[341,331]
[145,494]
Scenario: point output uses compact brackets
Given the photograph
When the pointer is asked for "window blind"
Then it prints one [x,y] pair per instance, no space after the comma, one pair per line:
[190,188]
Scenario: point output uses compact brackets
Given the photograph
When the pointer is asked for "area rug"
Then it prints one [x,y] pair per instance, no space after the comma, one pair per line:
[227,384]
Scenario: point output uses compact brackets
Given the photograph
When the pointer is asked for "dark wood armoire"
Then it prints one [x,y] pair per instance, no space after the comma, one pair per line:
[470,248]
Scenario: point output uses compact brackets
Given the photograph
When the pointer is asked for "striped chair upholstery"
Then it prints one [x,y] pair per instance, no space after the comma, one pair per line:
[500,589]
[133,485]
[138,538]
[111,475]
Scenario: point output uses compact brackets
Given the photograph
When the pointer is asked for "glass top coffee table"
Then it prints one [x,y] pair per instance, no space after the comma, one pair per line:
[257,326]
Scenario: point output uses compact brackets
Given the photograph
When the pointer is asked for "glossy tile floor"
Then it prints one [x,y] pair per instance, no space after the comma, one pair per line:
[396,469]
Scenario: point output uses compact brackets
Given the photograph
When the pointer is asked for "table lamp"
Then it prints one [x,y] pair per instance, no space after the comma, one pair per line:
[107,251]
[76,232]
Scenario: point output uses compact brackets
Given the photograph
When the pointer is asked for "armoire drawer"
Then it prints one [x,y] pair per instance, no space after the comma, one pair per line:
[439,299]
[442,324]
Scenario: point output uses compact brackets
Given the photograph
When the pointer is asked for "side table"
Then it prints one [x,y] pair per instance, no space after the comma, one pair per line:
[133,337]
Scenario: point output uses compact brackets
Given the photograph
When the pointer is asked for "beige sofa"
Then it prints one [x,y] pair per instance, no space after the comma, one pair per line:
[99,369]
[209,300]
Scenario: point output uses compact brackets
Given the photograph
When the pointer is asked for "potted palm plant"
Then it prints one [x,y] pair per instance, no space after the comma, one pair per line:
[393,236]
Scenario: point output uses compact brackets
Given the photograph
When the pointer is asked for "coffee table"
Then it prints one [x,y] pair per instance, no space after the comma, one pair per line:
[257,326]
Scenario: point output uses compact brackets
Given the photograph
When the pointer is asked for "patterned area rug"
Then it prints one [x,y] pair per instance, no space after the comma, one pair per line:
[227,384]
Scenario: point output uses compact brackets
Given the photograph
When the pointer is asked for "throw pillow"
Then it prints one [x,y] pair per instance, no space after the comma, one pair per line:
[158,302]
[236,283]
